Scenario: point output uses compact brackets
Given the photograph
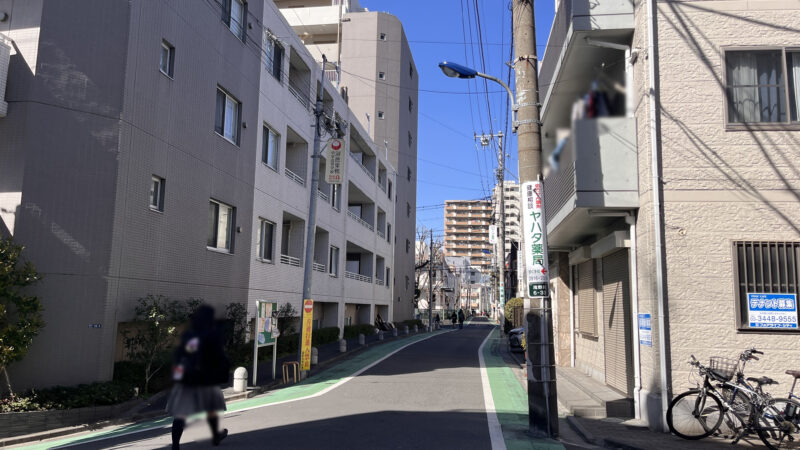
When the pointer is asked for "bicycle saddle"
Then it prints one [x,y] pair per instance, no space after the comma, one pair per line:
[762,380]
[794,373]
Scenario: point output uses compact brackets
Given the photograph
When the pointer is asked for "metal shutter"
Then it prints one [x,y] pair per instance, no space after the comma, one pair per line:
[617,322]
[587,306]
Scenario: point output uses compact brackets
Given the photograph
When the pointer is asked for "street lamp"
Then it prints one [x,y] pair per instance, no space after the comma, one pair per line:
[454,70]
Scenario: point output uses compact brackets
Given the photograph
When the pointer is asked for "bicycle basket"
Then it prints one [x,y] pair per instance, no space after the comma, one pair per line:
[723,368]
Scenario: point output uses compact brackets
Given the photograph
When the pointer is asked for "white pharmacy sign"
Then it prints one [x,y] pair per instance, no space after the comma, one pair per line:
[334,165]
[538,277]
[493,234]
[772,310]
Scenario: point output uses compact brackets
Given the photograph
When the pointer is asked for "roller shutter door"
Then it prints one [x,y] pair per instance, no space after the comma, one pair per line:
[617,322]
[587,305]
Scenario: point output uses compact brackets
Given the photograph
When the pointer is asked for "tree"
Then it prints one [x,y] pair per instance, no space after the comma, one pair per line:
[157,319]
[286,316]
[422,259]
[20,314]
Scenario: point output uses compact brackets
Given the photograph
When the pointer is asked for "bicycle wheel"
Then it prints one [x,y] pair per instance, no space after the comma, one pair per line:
[779,424]
[694,414]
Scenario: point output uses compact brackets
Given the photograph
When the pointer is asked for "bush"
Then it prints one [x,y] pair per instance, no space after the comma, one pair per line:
[351,331]
[60,397]
[130,373]
[510,304]
[410,323]
[324,336]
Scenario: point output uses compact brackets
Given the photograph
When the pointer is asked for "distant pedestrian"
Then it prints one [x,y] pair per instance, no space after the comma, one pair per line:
[454,319]
[200,367]
[437,319]
[460,319]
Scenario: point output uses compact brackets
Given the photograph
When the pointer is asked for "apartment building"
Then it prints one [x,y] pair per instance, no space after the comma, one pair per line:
[671,132]
[510,192]
[165,149]
[376,73]
[466,231]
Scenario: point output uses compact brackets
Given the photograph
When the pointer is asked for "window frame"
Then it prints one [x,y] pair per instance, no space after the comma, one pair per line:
[231,227]
[333,264]
[381,115]
[159,205]
[273,63]
[228,18]
[746,126]
[382,37]
[236,139]
[261,241]
[739,302]
[170,72]
[266,132]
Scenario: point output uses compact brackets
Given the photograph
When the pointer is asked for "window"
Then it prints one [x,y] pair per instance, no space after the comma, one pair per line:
[167,63]
[407,282]
[220,225]
[408,209]
[766,276]
[389,232]
[408,246]
[410,140]
[410,70]
[333,261]
[381,75]
[274,59]
[410,105]
[382,36]
[234,14]
[157,193]
[335,197]
[266,240]
[380,115]
[389,189]
[272,142]
[388,273]
[228,118]
[408,173]
[757,90]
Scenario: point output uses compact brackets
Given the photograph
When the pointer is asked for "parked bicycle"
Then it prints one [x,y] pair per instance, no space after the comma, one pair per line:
[744,407]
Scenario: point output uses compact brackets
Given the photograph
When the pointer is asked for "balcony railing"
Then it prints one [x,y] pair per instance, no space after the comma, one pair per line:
[290,260]
[358,219]
[299,94]
[363,167]
[381,234]
[378,281]
[323,196]
[318,267]
[295,177]
[358,277]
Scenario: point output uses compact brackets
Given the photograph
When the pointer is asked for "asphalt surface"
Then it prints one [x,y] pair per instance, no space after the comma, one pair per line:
[428,395]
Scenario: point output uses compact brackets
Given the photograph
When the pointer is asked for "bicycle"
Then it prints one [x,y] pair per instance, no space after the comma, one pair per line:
[699,412]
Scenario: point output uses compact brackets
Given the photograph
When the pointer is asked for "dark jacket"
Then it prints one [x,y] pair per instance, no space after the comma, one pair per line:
[460,316]
[201,353]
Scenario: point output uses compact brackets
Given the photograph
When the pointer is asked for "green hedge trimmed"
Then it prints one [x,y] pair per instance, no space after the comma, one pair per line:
[410,323]
[60,397]
[324,336]
[351,331]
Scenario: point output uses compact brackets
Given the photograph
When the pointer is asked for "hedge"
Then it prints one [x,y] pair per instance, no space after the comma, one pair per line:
[410,323]
[351,331]
[60,397]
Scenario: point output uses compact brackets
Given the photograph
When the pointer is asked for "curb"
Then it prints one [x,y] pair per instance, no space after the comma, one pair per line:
[133,416]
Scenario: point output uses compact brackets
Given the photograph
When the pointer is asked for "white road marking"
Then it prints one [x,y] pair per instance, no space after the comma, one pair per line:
[495,430]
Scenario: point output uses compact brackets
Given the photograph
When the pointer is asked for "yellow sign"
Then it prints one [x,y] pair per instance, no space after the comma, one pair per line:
[308,317]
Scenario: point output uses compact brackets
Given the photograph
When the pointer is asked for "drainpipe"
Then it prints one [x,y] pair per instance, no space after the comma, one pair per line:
[655,150]
[637,367]
[571,316]
[629,58]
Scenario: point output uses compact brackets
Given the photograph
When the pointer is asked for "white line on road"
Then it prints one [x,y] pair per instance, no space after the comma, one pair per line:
[495,430]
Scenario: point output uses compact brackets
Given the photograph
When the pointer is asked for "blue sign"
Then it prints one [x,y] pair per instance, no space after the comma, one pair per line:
[772,310]
[645,330]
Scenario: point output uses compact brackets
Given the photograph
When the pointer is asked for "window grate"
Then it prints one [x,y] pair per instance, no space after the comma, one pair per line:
[766,268]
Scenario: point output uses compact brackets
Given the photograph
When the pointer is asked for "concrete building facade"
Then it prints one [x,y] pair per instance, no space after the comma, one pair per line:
[672,203]
[377,75]
[164,148]
[466,231]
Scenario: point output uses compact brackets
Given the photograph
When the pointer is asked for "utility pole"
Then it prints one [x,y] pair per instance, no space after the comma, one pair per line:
[500,256]
[542,401]
[430,284]
[312,205]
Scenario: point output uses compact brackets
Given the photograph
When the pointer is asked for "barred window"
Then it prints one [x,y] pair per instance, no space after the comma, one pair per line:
[766,277]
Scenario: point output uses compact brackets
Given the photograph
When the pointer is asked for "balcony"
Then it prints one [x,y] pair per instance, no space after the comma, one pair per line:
[597,173]
[294,177]
[357,277]
[290,260]
[361,221]
[569,62]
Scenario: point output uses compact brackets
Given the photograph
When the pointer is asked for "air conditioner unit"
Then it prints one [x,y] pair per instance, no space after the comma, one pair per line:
[5,54]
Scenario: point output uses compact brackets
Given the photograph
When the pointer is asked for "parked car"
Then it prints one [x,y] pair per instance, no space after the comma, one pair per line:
[516,340]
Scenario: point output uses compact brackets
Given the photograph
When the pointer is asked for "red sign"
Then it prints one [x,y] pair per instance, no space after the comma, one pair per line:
[308,305]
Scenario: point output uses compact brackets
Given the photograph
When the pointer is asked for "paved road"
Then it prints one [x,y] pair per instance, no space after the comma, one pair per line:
[427,395]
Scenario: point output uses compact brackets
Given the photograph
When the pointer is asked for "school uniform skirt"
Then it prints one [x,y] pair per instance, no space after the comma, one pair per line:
[185,400]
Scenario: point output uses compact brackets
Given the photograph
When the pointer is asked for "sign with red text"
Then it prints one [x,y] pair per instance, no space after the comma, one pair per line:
[334,164]
[305,349]
[537,276]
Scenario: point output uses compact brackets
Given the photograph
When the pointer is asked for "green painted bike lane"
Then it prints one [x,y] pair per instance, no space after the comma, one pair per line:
[313,386]
[510,400]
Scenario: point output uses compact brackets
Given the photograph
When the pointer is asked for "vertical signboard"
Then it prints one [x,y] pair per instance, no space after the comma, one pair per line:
[493,234]
[308,320]
[776,311]
[266,333]
[645,330]
[537,277]
[334,165]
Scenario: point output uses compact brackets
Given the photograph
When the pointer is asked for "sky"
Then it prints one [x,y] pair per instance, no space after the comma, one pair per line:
[450,164]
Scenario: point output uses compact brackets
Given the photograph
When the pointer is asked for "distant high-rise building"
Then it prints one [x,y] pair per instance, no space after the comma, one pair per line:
[372,64]
[466,231]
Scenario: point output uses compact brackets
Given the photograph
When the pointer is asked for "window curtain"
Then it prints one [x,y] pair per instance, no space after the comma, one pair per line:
[794,83]
[743,75]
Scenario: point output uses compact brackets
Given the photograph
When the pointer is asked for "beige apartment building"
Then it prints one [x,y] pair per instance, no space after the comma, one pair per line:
[372,66]
[512,219]
[673,189]
[466,232]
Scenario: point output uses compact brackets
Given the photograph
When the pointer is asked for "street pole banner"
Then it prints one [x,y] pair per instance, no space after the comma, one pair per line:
[334,165]
[538,278]
[308,320]
[772,310]
[493,234]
